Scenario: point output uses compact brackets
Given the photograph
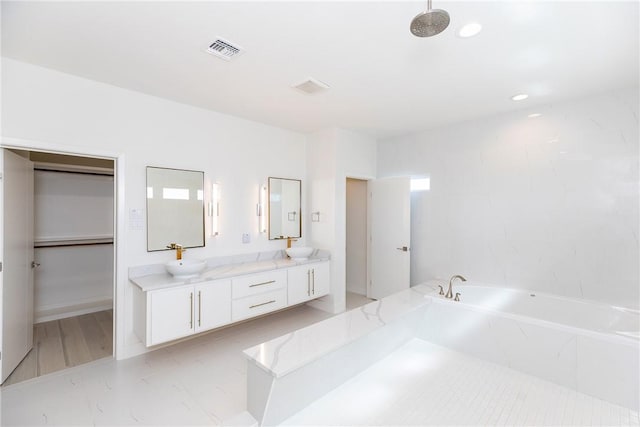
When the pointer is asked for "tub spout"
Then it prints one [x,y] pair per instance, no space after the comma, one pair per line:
[450,290]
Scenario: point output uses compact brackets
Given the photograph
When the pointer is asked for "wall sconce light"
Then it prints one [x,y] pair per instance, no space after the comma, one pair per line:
[261,209]
[214,209]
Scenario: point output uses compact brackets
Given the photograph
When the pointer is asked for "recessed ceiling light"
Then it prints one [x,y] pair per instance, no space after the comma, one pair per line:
[470,30]
[519,97]
[534,115]
[311,86]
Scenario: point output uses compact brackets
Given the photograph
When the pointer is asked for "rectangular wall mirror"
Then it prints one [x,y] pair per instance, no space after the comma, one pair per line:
[175,208]
[284,208]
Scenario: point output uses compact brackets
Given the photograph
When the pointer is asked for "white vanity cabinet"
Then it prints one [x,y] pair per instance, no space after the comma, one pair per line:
[258,294]
[189,309]
[166,311]
[308,282]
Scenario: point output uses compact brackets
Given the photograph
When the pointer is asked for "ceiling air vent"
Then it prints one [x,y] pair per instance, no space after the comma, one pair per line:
[311,86]
[224,49]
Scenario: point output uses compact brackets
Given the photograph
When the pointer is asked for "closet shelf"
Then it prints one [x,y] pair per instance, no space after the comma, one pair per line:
[48,242]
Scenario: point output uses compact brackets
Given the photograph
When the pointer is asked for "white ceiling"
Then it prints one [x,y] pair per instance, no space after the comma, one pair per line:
[384,81]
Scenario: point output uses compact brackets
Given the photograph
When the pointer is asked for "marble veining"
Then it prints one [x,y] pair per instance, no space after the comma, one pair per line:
[155,276]
[292,351]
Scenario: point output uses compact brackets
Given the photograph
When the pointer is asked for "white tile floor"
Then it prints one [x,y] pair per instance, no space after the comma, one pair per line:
[200,381]
[203,381]
[424,384]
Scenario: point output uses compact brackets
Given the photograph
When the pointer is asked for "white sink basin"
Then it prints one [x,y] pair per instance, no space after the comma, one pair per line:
[185,268]
[299,253]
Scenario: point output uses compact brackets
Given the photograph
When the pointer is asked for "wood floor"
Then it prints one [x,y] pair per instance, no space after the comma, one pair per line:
[64,343]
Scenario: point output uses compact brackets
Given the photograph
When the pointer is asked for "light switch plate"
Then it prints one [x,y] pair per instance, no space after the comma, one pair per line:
[246,238]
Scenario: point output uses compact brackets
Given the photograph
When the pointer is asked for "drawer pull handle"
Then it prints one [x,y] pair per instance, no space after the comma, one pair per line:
[263,283]
[308,283]
[313,281]
[264,303]
[199,308]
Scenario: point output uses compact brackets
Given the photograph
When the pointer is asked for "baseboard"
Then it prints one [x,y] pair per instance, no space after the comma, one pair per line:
[61,312]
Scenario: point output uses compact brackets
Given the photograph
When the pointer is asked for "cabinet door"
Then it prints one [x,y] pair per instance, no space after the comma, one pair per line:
[320,279]
[212,304]
[170,314]
[299,284]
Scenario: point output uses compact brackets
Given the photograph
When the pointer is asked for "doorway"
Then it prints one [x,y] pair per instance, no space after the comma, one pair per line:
[73,260]
[356,243]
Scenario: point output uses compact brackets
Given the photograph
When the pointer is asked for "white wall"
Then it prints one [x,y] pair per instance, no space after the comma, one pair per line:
[332,156]
[356,227]
[72,205]
[69,206]
[59,109]
[548,203]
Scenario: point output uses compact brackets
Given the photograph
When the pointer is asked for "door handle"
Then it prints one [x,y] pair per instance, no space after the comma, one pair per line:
[35,264]
[403,249]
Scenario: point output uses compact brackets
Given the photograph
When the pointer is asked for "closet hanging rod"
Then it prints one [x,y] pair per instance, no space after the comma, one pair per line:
[53,243]
[83,170]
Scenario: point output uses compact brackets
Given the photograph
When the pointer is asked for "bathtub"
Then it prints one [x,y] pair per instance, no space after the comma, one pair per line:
[590,347]
[561,311]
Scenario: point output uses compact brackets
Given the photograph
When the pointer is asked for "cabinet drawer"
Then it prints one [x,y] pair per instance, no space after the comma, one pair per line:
[258,283]
[256,305]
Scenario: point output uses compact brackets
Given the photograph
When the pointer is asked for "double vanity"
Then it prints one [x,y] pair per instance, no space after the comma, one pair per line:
[229,290]
[186,296]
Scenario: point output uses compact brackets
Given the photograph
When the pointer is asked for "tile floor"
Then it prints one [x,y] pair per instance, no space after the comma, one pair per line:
[199,381]
[203,381]
[425,384]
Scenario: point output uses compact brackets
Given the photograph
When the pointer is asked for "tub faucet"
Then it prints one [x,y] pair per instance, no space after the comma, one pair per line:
[450,291]
[179,249]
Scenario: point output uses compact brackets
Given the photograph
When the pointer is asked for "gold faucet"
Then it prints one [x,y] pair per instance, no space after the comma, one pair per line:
[289,240]
[450,291]
[179,249]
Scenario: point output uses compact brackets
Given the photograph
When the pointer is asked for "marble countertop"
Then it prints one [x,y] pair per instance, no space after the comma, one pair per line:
[294,350]
[149,278]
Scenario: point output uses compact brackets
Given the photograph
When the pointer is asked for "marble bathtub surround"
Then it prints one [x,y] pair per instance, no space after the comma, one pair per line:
[326,354]
[563,354]
[287,353]
[155,276]
[323,354]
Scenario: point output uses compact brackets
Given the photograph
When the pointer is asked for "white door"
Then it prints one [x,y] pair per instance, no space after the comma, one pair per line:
[390,213]
[16,278]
